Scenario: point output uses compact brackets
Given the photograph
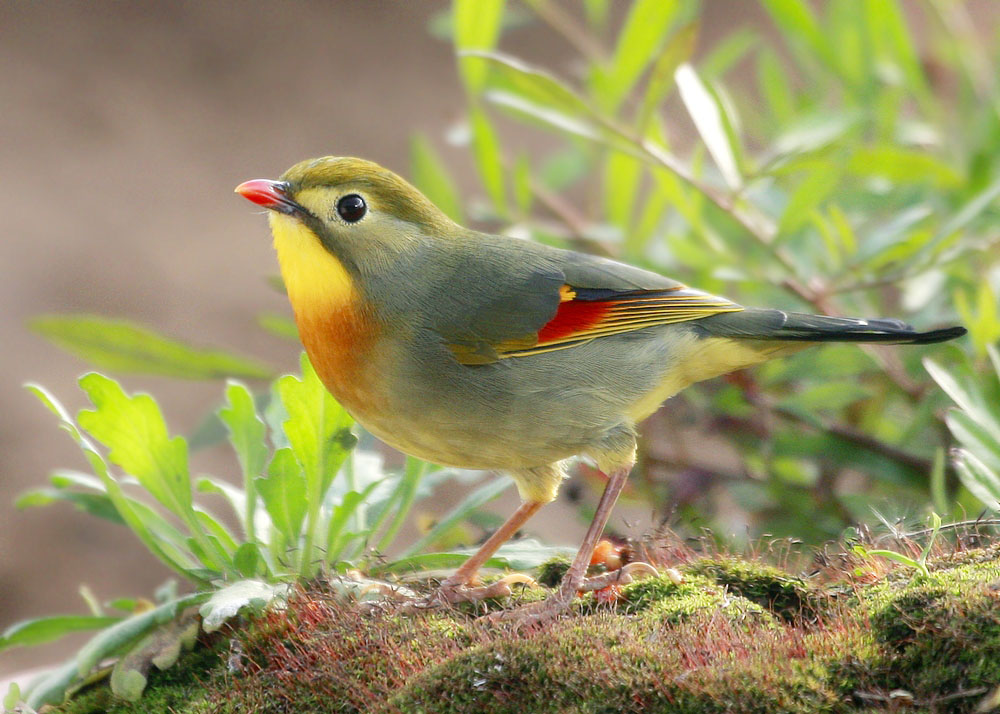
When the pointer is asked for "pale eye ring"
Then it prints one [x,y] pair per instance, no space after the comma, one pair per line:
[352,208]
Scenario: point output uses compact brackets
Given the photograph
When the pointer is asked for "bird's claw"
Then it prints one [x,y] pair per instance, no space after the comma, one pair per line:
[538,613]
[623,576]
[451,594]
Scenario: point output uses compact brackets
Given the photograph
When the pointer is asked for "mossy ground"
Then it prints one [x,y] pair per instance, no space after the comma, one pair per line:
[734,636]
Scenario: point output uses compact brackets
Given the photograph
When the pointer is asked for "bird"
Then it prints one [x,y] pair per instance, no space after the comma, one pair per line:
[483,351]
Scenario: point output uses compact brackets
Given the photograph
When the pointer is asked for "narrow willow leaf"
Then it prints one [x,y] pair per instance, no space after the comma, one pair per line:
[336,538]
[524,192]
[971,210]
[29,633]
[661,79]
[486,149]
[622,175]
[904,166]
[799,25]
[820,182]
[432,178]
[830,396]
[532,84]
[476,499]
[773,86]
[642,35]
[122,346]
[892,42]
[476,27]
[707,116]
[728,53]
[279,325]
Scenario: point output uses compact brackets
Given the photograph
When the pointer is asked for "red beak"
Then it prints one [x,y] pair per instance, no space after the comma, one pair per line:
[272,195]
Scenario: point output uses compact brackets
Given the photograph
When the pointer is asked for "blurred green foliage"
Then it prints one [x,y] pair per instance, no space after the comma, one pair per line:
[834,162]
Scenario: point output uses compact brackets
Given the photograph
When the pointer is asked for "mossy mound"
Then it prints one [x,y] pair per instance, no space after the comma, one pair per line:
[733,636]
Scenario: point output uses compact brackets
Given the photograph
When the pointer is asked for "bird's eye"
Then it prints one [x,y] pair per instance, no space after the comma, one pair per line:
[352,208]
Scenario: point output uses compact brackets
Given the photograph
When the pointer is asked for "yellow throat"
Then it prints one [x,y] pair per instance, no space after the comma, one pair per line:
[316,281]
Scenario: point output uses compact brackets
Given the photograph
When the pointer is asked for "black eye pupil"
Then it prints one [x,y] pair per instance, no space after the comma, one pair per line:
[352,208]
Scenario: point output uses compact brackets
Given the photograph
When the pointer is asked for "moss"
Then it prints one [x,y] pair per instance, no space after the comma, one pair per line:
[686,648]
[787,596]
[181,688]
[940,634]
[551,572]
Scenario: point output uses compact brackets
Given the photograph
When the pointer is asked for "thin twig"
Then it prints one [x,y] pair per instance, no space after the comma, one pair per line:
[567,26]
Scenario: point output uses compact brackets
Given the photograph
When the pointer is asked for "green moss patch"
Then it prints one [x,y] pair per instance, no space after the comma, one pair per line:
[733,636]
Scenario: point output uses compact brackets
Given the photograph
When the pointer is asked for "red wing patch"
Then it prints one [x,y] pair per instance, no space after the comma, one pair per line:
[573,317]
[587,314]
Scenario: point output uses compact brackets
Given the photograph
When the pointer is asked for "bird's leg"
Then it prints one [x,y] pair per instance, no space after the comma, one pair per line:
[575,578]
[456,587]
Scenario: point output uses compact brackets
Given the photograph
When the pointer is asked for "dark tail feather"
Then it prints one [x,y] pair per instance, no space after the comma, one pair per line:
[756,324]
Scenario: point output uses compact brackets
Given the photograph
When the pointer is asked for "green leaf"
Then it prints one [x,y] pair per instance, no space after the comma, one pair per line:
[246,434]
[534,85]
[821,181]
[622,176]
[892,42]
[524,192]
[317,427]
[248,560]
[162,647]
[319,433]
[661,79]
[800,26]
[123,633]
[255,595]
[432,178]
[482,495]
[707,116]
[135,433]
[279,325]
[336,539]
[96,504]
[486,148]
[976,437]
[476,27]
[284,494]
[772,84]
[983,320]
[902,165]
[522,554]
[122,346]
[29,633]
[982,481]
[969,396]
[830,396]
[642,35]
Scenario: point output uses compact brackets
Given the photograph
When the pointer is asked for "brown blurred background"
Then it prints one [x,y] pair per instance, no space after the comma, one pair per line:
[123,129]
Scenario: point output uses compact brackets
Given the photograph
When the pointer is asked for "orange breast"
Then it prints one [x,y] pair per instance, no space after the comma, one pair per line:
[338,343]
